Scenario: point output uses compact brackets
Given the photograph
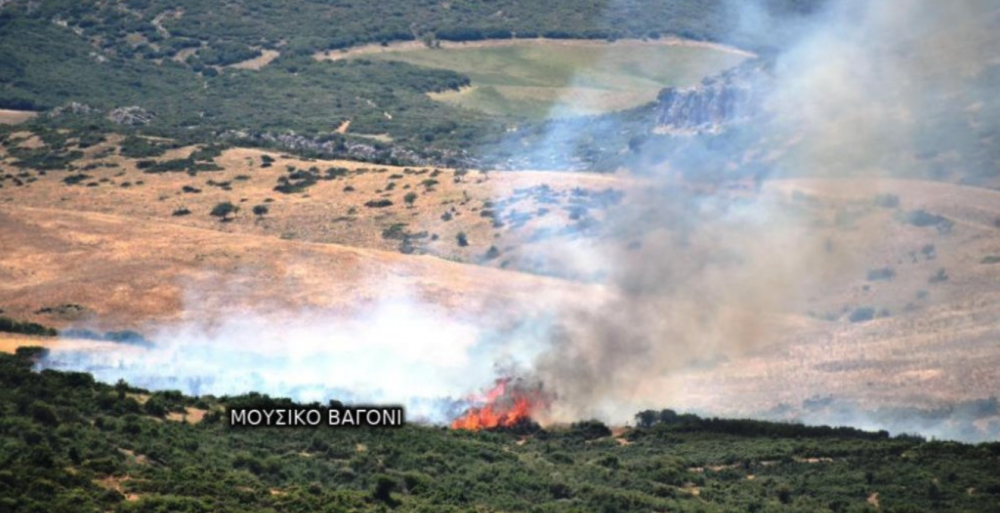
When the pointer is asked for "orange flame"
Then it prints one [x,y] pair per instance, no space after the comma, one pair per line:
[503,406]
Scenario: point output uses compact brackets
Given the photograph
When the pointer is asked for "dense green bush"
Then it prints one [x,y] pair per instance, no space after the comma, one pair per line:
[882,274]
[100,57]
[27,328]
[862,314]
[69,443]
[222,210]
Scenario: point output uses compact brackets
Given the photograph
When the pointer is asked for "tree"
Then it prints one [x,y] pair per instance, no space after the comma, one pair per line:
[155,406]
[590,429]
[462,240]
[410,198]
[668,416]
[384,486]
[784,494]
[260,211]
[222,210]
[44,414]
[645,418]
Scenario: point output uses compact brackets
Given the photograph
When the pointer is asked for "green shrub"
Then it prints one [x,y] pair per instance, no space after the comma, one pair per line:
[887,200]
[223,210]
[883,274]
[922,218]
[862,314]
[940,276]
[75,179]
[44,414]
[27,328]
[140,147]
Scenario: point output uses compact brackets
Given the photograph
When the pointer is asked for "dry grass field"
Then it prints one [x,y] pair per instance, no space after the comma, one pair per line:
[331,211]
[124,272]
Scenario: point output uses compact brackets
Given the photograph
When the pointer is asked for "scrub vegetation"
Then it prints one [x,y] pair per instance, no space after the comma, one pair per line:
[70,444]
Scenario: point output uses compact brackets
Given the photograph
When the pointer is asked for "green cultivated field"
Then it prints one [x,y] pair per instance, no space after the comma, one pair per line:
[539,78]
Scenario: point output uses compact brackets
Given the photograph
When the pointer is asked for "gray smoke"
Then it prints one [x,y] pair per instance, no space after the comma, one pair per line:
[865,89]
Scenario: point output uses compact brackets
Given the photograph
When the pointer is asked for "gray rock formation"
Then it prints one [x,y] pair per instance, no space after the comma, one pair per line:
[335,146]
[72,108]
[734,96]
[131,116]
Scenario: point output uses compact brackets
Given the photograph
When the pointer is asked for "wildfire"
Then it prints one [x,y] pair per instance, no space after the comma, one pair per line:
[504,405]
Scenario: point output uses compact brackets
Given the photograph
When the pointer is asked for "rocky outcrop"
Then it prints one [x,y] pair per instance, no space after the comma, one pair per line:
[131,116]
[336,146]
[731,97]
[75,108]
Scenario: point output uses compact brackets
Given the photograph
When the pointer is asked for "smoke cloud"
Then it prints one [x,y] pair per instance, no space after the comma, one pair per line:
[864,89]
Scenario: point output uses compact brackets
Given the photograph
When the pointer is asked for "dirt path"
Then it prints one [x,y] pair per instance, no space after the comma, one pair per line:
[158,20]
[266,56]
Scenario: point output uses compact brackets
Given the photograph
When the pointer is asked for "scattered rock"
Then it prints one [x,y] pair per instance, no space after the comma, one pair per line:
[72,108]
[131,116]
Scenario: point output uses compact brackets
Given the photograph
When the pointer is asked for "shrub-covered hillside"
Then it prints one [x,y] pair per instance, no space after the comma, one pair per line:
[69,444]
[173,68]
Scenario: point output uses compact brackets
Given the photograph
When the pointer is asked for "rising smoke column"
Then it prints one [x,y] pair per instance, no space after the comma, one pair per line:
[862,90]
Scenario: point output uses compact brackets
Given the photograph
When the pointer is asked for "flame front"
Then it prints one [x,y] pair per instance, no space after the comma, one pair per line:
[503,406]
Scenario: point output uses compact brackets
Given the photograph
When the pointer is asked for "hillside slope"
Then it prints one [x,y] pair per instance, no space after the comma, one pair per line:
[71,444]
[127,272]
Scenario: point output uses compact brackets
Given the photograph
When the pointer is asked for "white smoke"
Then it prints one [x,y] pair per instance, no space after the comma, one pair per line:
[398,351]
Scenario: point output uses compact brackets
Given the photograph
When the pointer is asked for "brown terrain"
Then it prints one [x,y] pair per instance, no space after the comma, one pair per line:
[13,117]
[114,252]
[111,252]
[266,56]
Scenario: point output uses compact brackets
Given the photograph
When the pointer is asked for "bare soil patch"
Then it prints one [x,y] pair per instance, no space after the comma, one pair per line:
[257,63]
[13,117]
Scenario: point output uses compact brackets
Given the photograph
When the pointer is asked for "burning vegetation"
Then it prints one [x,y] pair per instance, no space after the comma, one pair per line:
[509,405]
